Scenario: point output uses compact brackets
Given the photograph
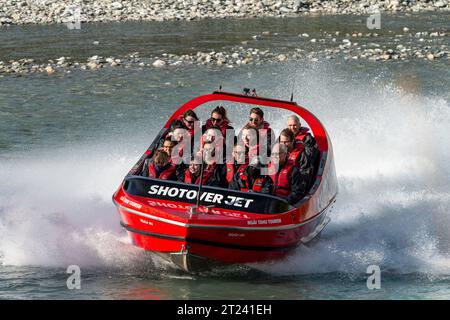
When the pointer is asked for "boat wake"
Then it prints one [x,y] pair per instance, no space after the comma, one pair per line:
[56,209]
[392,154]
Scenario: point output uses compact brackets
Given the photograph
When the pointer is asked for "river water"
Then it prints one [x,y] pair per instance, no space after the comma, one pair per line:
[67,140]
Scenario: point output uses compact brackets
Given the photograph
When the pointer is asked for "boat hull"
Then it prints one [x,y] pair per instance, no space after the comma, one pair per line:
[194,247]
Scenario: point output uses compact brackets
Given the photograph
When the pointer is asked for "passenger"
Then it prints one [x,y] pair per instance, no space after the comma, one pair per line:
[178,133]
[294,125]
[309,157]
[214,174]
[256,120]
[214,163]
[304,137]
[219,119]
[168,145]
[288,182]
[186,121]
[214,135]
[250,140]
[180,137]
[287,138]
[191,174]
[250,179]
[237,164]
[160,167]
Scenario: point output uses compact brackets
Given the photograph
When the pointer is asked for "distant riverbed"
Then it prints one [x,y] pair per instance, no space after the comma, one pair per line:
[75,12]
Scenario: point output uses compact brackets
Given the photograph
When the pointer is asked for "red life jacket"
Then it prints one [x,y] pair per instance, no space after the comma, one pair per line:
[231,172]
[282,179]
[302,133]
[294,155]
[164,175]
[257,184]
[207,174]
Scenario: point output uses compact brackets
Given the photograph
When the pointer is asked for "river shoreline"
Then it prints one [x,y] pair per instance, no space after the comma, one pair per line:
[428,46]
[18,12]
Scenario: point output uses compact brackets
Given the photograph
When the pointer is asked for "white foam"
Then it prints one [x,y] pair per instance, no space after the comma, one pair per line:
[56,208]
[392,152]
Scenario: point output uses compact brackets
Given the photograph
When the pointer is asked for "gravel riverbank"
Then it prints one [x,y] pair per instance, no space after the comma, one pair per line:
[406,46]
[63,11]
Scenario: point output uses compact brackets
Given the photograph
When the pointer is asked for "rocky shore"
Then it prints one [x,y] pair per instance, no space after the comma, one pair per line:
[428,46]
[64,11]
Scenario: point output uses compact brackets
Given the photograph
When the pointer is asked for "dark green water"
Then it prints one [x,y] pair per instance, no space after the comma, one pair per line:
[66,141]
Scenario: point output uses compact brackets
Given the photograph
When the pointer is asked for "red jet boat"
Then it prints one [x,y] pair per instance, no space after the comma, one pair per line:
[228,227]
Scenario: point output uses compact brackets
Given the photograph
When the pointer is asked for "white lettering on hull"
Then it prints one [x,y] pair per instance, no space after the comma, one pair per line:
[210,197]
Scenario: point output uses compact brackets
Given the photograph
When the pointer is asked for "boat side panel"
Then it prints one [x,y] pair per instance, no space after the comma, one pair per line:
[218,245]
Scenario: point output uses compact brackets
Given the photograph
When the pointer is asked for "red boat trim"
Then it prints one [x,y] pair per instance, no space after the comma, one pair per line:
[206,242]
[186,225]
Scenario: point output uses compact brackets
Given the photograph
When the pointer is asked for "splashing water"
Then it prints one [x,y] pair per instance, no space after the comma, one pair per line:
[392,160]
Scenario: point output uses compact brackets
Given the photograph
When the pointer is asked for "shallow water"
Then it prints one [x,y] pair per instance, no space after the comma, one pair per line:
[68,140]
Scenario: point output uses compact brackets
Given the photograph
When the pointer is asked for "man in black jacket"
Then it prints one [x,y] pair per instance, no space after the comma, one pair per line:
[311,153]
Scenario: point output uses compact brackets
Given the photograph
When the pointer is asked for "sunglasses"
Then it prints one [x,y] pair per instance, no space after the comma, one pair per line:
[253,120]
[216,119]
[190,122]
